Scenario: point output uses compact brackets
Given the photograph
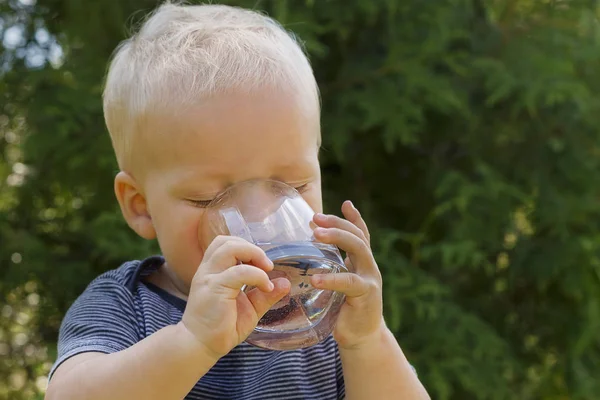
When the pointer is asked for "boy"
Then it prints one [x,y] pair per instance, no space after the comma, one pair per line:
[203,97]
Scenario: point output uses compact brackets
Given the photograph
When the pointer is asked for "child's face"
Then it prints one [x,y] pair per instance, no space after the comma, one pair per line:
[229,139]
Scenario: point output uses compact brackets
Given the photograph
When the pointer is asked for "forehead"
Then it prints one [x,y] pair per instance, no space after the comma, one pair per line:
[240,136]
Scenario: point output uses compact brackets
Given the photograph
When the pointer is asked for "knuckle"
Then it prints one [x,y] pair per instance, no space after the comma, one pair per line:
[239,240]
[338,281]
[337,233]
[329,217]
[229,247]
[247,271]
[345,281]
[254,248]
[218,243]
[337,221]
[362,236]
[240,270]
[363,246]
[264,276]
[353,280]
[204,280]
[372,285]
[219,240]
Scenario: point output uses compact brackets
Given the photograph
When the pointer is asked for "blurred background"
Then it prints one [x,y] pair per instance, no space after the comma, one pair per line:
[468,132]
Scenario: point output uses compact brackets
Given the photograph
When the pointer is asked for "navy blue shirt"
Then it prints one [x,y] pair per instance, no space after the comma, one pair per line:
[118,309]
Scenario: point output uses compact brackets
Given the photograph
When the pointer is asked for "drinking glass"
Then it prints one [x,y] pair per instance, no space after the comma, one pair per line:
[275,217]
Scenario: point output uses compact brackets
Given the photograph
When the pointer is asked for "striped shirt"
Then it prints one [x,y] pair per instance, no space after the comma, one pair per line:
[118,309]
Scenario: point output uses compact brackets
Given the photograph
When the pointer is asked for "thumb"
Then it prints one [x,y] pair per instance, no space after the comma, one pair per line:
[263,301]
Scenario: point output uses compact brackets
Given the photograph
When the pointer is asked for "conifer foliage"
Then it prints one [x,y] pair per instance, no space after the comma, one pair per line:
[467,132]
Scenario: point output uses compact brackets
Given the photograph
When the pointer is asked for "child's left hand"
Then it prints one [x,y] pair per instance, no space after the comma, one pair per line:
[361,316]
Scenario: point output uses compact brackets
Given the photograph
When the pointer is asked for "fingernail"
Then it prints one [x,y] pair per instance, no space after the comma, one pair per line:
[320,231]
[316,280]
[352,204]
[271,286]
[320,216]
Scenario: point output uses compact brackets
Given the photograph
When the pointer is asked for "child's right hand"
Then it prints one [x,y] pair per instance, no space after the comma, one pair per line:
[218,314]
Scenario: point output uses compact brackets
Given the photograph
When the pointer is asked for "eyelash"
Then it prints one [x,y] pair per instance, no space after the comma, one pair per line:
[200,203]
[205,203]
[302,188]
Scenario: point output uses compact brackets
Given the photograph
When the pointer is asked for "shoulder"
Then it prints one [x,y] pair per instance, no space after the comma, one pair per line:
[111,294]
[104,318]
[107,308]
[126,277]
[121,275]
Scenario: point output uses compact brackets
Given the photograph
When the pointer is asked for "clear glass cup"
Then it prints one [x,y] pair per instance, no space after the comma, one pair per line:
[275,217]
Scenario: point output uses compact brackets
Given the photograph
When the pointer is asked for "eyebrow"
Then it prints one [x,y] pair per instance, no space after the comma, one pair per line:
[220,181]
[189,185]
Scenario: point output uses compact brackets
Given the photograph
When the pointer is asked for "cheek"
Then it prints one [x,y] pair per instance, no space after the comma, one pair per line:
[313,198]
[177,227]
[178,237]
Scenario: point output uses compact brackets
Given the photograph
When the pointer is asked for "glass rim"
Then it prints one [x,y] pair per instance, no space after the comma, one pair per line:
[219,198]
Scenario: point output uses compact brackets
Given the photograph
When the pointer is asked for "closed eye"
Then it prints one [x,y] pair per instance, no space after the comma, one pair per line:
[199,203]
[302,188]
[205,203]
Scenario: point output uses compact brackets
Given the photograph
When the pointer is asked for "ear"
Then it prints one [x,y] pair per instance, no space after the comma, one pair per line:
[133,205]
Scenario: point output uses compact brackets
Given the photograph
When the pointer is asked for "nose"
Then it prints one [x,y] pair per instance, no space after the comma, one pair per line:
[257,199]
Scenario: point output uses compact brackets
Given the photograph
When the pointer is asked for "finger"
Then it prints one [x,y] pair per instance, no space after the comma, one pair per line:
[263,301]
[352,285]
[219,241]
[230,251]
[233,279]
[356,248]
[352,214]
[216,243]
[333,221]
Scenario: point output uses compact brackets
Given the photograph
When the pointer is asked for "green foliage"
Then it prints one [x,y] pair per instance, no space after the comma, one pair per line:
[466,131]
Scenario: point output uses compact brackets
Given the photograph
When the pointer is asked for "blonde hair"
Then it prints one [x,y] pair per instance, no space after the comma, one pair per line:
[183,54]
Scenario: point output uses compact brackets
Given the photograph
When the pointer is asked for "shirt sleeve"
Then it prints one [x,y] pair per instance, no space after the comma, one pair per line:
[339,372]
[102,319]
